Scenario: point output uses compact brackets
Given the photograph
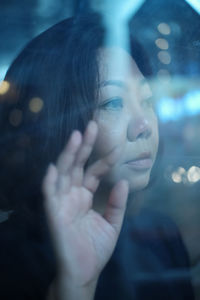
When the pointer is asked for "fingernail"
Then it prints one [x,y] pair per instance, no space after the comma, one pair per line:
[76,136]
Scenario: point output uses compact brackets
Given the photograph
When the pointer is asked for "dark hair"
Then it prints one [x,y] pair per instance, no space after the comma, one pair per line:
[60,68]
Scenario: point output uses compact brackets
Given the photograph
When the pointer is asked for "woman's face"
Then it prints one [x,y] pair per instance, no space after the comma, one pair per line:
[125,119]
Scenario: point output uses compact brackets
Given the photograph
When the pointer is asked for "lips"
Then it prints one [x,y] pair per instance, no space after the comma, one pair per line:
[143,161]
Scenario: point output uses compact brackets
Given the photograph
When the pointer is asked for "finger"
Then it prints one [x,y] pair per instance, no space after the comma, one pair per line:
[84,152]
[94,173]
[87,144]
[49,191]
[49,181]
[116,206]
[92,176]
[67,157]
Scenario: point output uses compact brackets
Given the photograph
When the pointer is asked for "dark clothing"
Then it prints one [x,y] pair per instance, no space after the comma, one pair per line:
[149,262]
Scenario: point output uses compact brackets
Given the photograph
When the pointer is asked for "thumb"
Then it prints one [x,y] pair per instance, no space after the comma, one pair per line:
[116,206]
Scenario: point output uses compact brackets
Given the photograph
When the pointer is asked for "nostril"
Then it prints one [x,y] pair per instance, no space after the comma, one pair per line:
[138,129]
[144,134]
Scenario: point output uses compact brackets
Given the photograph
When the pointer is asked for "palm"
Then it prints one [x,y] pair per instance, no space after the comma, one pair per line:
[91,241]
[84,240]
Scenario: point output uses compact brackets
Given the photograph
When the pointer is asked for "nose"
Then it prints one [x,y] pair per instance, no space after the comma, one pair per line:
[138,128]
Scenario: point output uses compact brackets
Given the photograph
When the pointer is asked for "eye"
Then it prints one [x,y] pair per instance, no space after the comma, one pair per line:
[113,104]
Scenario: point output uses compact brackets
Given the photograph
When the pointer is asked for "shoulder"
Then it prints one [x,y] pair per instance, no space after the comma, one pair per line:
[150,261]
[159,233]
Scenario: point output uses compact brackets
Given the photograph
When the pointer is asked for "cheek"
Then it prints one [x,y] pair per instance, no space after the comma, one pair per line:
[111,134]
[154,139]
[155,132]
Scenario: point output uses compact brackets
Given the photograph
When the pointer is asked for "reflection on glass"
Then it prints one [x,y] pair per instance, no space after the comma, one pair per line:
[36,105]
[169,35]
[195,4]
[193,174]
[4,87]
[164,28]
[164,57]
[162,44]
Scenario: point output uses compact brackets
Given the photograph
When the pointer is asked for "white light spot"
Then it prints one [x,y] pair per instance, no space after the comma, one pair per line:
[164,57]
[162,44]
[164,28]
[193,174]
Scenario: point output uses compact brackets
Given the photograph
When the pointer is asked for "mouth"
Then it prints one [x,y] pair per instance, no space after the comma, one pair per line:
[143,161]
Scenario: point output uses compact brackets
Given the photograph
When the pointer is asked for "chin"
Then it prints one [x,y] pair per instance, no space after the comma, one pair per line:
[137,181]
[138,185]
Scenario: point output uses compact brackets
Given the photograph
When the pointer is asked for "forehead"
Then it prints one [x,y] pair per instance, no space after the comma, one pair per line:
[117,64]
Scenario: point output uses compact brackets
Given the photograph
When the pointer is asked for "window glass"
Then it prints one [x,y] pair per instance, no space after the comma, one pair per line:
[158,250]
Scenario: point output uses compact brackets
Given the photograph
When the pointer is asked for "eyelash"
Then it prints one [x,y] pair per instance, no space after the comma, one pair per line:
[117,101]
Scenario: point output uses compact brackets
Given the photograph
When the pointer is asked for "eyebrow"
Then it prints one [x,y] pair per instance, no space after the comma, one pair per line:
[121,83]
[118,83]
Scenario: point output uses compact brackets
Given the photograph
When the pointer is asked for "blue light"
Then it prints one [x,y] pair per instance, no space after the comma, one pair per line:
[170,109]
[195,5]
[166,109]
[191,102]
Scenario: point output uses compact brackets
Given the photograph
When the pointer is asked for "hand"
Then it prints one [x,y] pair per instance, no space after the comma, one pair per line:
[84,240]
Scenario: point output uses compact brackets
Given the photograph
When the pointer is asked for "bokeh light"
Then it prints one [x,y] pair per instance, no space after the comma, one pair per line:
[163,72]
[187,177]
[193,174]
[36,104]
[164,28]
[192,102]
[176,177]
[4,87]
[179,175]
[164,57]
[170,109]
[162,44]
[164,76]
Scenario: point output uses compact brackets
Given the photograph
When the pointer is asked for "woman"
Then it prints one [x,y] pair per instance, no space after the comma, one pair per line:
[75,79]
